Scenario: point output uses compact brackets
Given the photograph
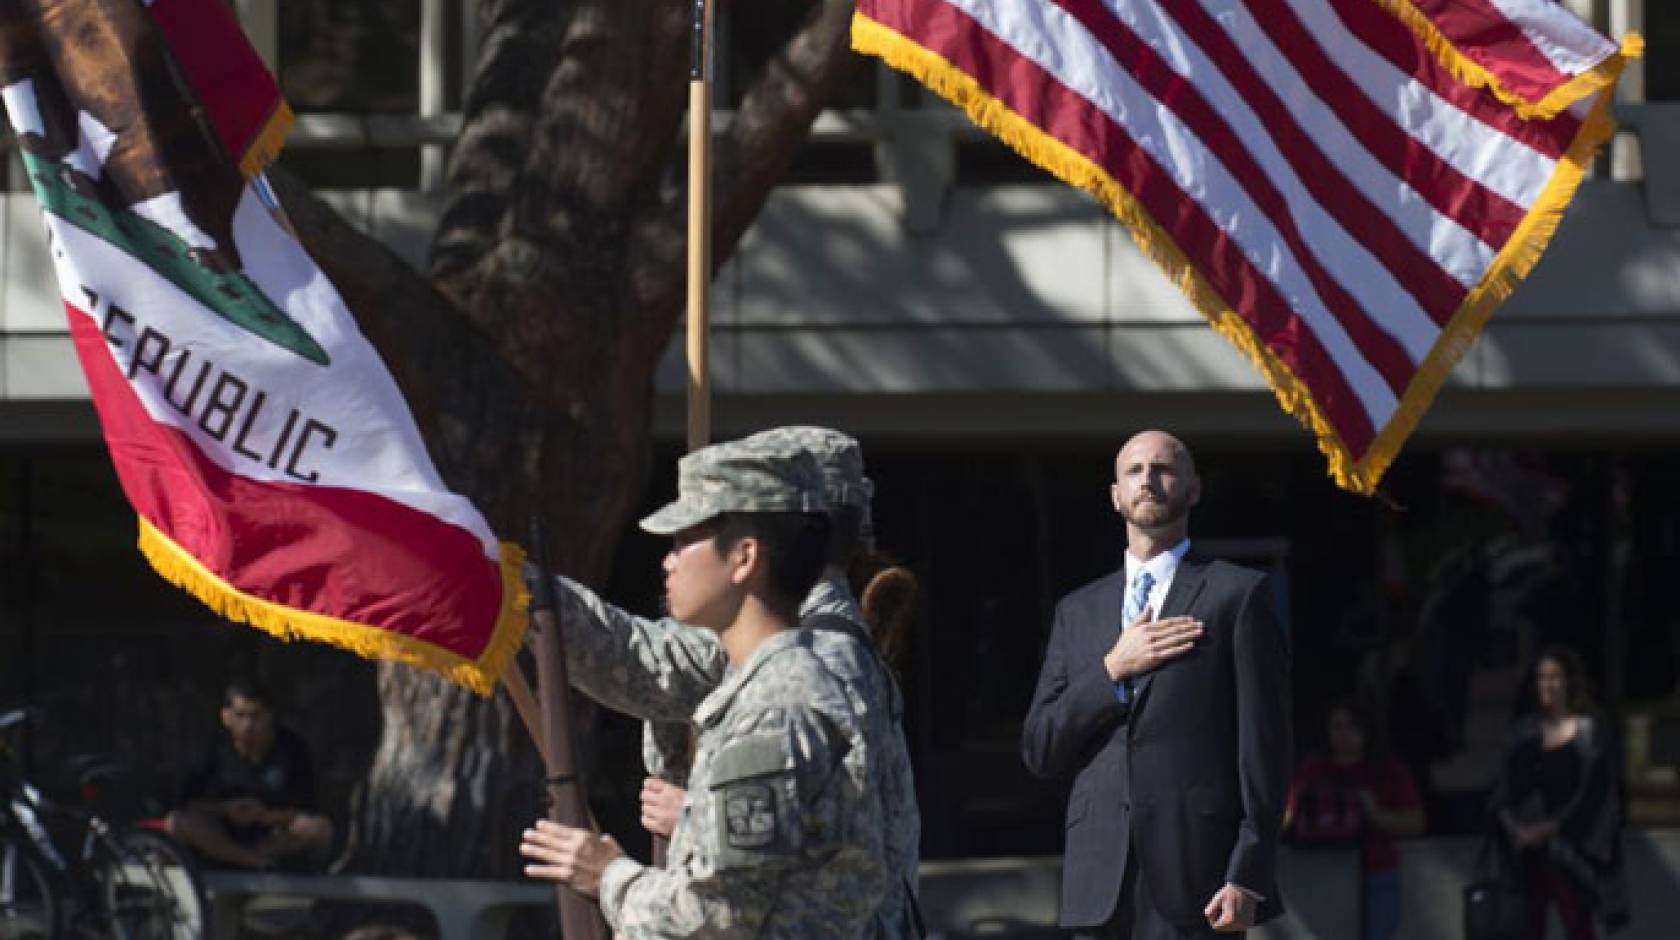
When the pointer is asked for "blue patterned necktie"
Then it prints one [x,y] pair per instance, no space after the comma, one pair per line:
[1137,598]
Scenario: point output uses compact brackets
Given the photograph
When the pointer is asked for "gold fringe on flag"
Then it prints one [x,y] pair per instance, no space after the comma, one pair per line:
[265,147]
[1359,475]
[1513,263]
[180,568]
[1471,72]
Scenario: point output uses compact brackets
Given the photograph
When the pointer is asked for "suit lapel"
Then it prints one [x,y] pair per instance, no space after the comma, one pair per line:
[1104,613]
[1181,598]
[1186,584]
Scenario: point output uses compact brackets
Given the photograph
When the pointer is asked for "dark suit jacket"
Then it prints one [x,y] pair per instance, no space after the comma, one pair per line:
[1193,773]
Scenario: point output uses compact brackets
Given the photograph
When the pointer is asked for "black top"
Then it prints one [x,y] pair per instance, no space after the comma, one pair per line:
[283,779]
[1577,786]
[1557,775]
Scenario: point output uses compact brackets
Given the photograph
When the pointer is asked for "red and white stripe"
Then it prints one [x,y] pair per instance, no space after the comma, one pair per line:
[1316,163]
[1531,46]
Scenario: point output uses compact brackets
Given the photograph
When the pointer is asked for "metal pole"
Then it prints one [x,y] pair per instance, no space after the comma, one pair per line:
[1626,159]
[471,36]
[434,56]
[699,224]
[580,918]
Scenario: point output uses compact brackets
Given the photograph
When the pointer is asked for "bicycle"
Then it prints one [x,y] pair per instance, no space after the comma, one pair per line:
[67,872]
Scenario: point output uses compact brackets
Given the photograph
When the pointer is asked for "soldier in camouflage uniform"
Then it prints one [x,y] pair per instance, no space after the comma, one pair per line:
[781,836]
[660,670]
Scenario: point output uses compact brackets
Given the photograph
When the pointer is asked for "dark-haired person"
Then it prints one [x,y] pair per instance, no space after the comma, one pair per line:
[660,670]
[1358,777]
[250,802]
[1557,803]
[781,833]
[1165,694]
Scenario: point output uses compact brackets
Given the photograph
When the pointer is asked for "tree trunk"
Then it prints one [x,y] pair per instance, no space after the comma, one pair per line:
[528,354]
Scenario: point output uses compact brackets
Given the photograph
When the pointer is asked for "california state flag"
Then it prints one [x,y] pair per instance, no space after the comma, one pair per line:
[275,468]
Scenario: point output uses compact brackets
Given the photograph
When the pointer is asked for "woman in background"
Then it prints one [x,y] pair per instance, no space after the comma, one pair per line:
[1557,804]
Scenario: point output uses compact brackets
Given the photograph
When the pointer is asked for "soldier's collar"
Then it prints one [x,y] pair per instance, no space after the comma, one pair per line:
[719,701]
[831,594]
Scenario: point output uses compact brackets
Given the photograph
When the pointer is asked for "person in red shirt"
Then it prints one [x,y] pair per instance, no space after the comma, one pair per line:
[1358,795]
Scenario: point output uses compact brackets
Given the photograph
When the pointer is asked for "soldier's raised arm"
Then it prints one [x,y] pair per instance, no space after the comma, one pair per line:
[651,669]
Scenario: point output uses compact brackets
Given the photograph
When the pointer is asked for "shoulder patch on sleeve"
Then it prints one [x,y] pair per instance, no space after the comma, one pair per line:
[749,815]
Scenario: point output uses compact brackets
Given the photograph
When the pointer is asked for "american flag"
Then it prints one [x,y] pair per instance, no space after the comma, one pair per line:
[1345,188]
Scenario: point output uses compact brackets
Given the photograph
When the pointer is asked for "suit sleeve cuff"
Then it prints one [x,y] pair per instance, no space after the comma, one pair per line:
[1254,896]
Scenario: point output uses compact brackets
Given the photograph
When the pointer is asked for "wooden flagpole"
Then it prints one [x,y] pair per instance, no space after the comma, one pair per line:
[580,918]
[699,225]
[525,703]
[699,249]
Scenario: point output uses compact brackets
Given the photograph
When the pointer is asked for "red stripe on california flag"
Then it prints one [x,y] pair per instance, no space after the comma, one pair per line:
[228,76]
[1475,207]
[1036,95]
[289,544]
[1405,50]
[1436,290]
[1330,189]
[1482,33]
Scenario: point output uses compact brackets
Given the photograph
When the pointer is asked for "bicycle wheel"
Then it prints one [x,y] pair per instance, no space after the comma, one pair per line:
[152,889]
[29,908]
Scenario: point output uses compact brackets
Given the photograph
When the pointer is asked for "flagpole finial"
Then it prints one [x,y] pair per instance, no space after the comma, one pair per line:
[699,49]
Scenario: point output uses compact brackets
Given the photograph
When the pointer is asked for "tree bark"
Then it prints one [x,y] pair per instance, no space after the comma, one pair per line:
[527,351]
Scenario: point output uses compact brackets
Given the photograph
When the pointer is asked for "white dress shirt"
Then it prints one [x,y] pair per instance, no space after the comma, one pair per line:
[1162,568]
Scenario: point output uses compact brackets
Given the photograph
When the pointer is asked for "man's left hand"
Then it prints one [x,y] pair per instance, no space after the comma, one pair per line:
[1230,911]
[576,857]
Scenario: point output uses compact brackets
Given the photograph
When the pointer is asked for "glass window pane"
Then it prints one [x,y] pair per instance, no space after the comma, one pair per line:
[361,57]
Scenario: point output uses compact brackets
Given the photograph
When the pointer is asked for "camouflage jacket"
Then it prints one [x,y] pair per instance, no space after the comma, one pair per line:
[655,669]
[780,836]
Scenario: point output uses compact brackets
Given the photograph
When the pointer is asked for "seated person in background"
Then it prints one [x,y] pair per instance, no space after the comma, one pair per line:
[251,800]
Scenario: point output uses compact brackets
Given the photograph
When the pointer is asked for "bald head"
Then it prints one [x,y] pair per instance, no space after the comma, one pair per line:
[1155,485]
[1156,443]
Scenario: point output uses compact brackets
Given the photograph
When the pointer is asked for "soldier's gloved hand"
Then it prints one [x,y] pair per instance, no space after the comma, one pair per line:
[662,803]
[576,857]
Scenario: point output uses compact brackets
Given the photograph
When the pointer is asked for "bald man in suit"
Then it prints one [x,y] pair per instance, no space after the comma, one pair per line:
[1165,694]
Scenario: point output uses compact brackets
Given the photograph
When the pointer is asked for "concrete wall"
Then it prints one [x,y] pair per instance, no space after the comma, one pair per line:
[1017,898]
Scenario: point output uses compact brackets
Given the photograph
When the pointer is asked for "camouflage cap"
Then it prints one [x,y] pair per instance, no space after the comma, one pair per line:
[838,454]
[740,476]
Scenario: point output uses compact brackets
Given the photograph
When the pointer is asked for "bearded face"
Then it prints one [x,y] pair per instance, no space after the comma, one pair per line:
[1154,483]
[1152,510]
